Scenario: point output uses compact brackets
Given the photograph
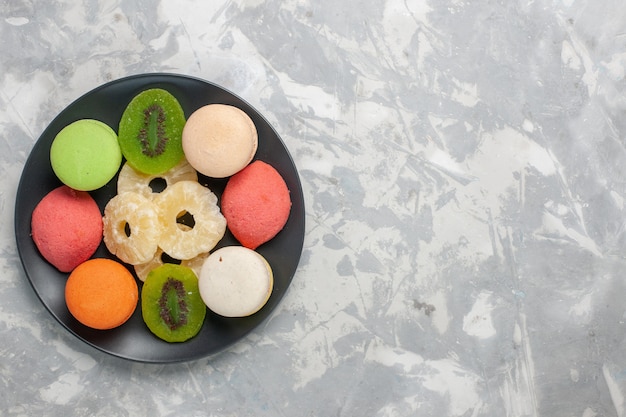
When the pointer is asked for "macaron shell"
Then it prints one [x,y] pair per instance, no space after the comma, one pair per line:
[101,293]
[235,281]
[85,155]
[219,140]
[67,228]
[256,204]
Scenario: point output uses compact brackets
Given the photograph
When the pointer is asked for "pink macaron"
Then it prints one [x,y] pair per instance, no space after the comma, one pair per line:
[256,204]
[66,227]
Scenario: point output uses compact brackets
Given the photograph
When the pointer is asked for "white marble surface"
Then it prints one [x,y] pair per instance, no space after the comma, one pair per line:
[463,165]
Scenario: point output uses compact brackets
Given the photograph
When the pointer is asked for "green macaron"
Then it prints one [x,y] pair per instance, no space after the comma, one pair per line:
[85,155]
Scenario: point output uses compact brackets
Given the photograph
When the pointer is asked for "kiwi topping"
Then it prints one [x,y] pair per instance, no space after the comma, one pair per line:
[152,135]
[171,305]
[150,131]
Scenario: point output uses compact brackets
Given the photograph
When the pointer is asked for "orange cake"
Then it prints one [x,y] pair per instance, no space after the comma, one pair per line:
[101,293]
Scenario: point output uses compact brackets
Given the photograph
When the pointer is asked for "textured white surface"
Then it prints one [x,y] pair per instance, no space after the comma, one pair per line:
[463,170]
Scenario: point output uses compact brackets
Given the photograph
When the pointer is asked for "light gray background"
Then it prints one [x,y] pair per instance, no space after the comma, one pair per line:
[463,170]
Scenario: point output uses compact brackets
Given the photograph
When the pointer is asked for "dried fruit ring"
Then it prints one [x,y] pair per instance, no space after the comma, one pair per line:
[195,263]
[196,202]
[131,228]
[135,181]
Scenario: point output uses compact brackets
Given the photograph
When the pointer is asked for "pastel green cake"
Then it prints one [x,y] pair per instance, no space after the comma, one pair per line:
[85,155]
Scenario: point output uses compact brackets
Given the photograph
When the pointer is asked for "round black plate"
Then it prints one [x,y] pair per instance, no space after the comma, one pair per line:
[133,340]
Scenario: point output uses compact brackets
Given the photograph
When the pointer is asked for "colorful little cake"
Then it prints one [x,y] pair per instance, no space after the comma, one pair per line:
[101,293]
[256,204]
[66,227]
[85,155]
[219,140]
[235,281]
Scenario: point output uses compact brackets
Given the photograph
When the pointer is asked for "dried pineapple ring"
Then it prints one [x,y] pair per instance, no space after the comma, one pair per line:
[209,225]
[131,228]
[195,263]
[132,180]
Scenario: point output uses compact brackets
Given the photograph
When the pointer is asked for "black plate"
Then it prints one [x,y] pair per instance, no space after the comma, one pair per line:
[133,340]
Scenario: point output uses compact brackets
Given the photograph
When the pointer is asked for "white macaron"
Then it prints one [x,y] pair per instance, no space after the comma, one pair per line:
[235,281]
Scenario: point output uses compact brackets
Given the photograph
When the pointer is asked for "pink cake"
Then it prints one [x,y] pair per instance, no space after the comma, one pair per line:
[67,227]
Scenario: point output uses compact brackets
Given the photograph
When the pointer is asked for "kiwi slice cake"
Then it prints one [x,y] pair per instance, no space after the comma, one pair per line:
[150,131]
[171,305]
